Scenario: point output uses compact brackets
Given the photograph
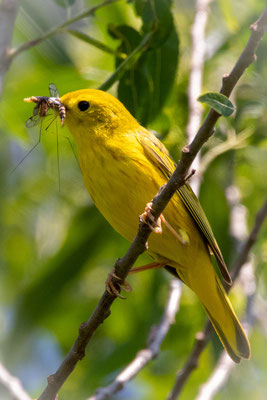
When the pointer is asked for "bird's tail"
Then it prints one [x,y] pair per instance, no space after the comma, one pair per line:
[224,319]
[227,325]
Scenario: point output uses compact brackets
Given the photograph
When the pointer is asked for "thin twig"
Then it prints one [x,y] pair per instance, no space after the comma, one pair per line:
[195,79]
[8,13]
[232,142]
[31,43]
[94,42]
[203,338]
[132,57]
[217,379]
[245,249]
[12,385]
[144,356]
[238,229]
[225,365]
[138,246]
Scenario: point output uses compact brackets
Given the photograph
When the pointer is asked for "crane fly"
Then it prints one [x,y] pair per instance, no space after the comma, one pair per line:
[41,110]
[43,105]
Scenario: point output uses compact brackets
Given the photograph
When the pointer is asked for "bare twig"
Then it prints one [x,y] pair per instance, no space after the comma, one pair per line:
[12,385]
[195,78]
[131,58]
[138,246]
[31,43]
[203,338]
[225,365]
[143,357]
[217,379]
[232,142]
[94,42]
[8,13]
[238,229]
[245,249]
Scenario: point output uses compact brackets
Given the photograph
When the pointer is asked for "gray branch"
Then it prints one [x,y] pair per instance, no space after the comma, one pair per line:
[12,385]
[203,337]
[8,13]
[195,79]
[160,201]
[143,357]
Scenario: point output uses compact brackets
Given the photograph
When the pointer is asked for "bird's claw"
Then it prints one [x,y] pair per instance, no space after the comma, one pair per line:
[149,219]
[111,286]
[156,227]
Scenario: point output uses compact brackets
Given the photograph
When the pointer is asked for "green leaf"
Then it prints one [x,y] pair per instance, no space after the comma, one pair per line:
[157,16]
[143,89]
[218,102]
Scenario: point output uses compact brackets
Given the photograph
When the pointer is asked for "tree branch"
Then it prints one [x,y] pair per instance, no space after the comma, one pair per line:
[217,379]
[132,57]
[8,13]
[238,228]
[225,365]
[31,43]
[232,142]
[195,79]
[138,246]
[143,357]
[203,337]
[12,385]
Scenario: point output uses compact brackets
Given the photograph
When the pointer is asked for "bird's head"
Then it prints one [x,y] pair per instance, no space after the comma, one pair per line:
[92,111]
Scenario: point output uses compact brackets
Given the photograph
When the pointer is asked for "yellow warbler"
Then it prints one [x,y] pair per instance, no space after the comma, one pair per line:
[123,166]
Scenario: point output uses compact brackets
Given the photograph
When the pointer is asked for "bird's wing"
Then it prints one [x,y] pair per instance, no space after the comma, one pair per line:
[158,155]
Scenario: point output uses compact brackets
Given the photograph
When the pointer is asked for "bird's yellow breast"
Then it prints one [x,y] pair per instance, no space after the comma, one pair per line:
[121,181]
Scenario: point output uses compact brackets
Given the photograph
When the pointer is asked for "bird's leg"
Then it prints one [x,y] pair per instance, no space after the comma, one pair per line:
[146,267]
[111,287]
[155,226]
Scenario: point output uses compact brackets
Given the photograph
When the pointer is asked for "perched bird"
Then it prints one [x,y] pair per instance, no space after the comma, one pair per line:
[123,166]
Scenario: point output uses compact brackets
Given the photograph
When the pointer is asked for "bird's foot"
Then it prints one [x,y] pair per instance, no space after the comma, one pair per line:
[149,219]
[114,288]
[155,225]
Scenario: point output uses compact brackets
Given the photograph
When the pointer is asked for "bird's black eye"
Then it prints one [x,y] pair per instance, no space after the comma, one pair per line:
[83,105]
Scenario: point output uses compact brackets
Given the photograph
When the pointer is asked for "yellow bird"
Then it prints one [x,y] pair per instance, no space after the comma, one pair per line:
[123,166]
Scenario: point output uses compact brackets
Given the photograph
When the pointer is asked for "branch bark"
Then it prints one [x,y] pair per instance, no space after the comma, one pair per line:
[12,385]
[31,43]
[8,13]
[143,357]
[138,246]
[238,229]
[195,79]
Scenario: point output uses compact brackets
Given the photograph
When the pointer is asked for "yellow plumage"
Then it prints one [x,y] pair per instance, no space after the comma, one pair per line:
[123,167]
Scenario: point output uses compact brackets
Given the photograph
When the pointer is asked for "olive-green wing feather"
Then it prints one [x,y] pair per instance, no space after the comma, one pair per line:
[159,155]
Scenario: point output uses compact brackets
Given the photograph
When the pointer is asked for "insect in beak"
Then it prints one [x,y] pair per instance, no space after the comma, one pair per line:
[44,104]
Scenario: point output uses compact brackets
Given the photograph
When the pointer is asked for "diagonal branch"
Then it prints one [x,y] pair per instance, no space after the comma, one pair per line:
[195,79]
[8,13]
[12,385]
[203,337]
[234,141]
[225,365]
[144,356]
[247,279]
[131,58]
[31,43]
[138,246]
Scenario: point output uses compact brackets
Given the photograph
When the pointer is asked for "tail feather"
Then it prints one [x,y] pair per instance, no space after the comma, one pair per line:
[229,330]
[206,284]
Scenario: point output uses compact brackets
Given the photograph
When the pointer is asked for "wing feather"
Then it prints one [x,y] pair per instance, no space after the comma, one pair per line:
[158,154]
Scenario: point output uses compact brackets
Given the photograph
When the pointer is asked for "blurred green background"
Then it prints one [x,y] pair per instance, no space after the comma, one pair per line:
[56,249]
